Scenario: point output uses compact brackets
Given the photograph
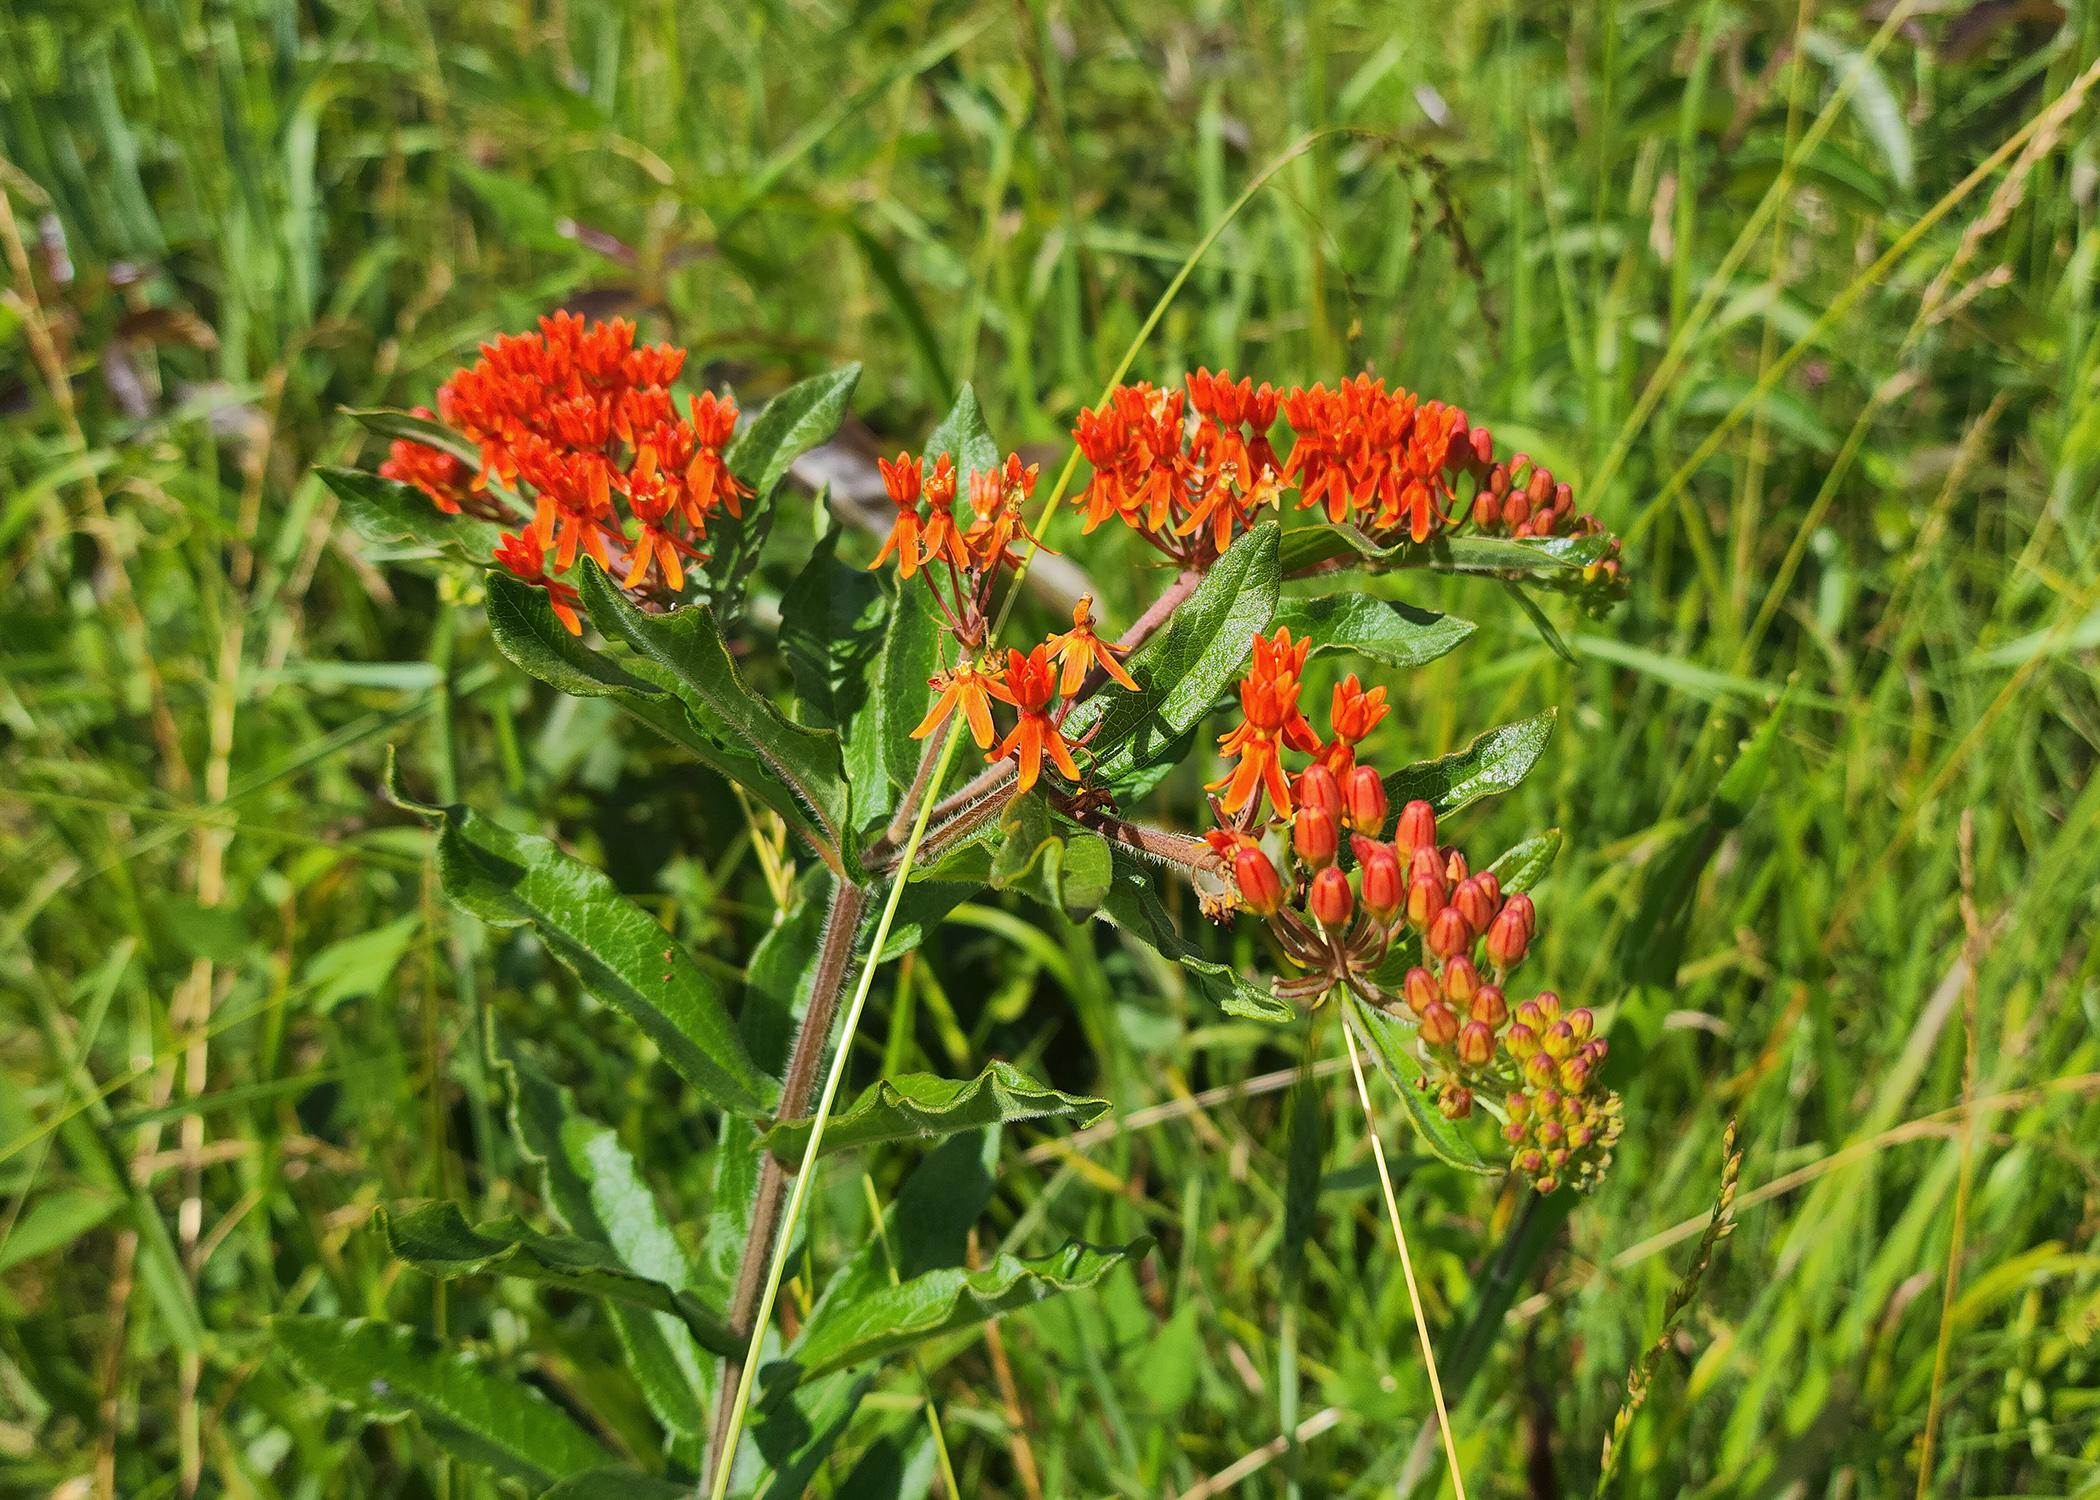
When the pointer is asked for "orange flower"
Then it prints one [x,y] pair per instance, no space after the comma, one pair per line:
[1271,722]
[1353,714]
[901,479]
[1079,649]
[1135,441]
[523,555]
[1000,498]
[1030,682]
[435,472]
[655,501]
[970,688]
[941,537]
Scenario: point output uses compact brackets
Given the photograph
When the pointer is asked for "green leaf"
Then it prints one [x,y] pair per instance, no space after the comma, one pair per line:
[1524,865]
[963,434]
[1495,762]
[55,1220]
[593,1186]
[782,971]
[833,618]
[920,1106]
[479,1414]
[1389,1038]
[525,630]
[1310,549]
[687,645]
[881,756]
[437,1240]
[1398,635]
[613,947]
[1133,906]
[391,513]
[1183,670]
[886,1319]
[392,423]
[793,422]
[1067,869]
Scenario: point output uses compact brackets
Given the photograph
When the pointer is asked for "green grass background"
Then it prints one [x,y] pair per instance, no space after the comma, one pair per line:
[1853,441]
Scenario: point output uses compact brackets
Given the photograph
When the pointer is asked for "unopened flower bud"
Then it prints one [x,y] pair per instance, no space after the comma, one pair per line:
[1531,1163]
[1416,830]
[1455,867]
[1461,980]
[1574,1075]
[1516,510]
[1489,1006]
[1522,1042]
[1540,1070]
[1317,788]
[1476,1044]
[1551,1133]
[1548,1102]
[1455,1102]
[1518,1107]
[1383,890]
[1260,889]
[1485,511]
[1426,864]
[1448,935]
[1507,941]
[1559,1041]
[1482,442]
[1330,901]
[1582,1023]
[1420,990]
[1470,901]
[1491,883]
[1540,489]
[1425,903]
[1315,837]
[1439,1024]
[1530,1017]
[1548,1004]
[1363,801]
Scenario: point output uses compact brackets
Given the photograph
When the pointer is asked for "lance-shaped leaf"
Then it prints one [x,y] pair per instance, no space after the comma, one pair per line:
[1398,635]
[963,434]
[686,645]
[1495,762]
[1523,865]
[920,1106]
[832,621]
[1065,868]
[1182,671]
[525,630]
[438,1241]
[1551,559]
[592,1185]
[886,1319]
[1135,907]
[761,453]
[392,513]
[617,950]
[1388,1039]
[479,1414]
[392,423]
[881,756]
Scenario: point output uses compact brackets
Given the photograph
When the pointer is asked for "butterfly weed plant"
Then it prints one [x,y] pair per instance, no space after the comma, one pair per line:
[619,523]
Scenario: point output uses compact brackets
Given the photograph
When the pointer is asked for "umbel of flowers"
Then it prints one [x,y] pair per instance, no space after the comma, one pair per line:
[1375,906]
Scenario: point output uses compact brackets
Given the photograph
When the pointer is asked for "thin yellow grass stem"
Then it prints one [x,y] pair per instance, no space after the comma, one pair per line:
[1407,1265]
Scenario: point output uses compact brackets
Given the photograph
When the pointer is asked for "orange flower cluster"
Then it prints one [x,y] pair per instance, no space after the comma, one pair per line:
[1344,901]
[1186,490]
[1396,466]
[927,539]
[580,421]
[1027,683]
[1270,723]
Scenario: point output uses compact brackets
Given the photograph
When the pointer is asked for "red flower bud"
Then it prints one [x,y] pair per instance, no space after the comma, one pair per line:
[1315,837]
[1482,443]
[1260,889]
[1455,868]
[1461,980]
[1426,863]
[1491,883]
[1476,1044]
[1439,1024]
[1384,891]
[1417,829]
[1318,788]
[1448,935]
[1507,941]
[1489,1006]
[1330,900]
[1470,899]
[1485,511]
[1420,990]
[1425,903]
[1363,801]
